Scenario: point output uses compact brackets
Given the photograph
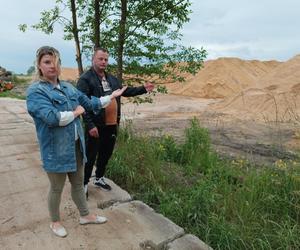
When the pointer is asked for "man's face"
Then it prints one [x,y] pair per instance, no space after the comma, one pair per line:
[100,60]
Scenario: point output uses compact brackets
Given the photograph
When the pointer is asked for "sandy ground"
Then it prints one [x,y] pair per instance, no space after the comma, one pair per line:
[24,218]
[258,142]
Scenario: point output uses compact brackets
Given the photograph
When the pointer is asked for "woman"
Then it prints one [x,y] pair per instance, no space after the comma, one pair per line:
[55,107]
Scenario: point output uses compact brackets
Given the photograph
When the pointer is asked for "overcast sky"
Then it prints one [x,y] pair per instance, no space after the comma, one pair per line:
[248,29]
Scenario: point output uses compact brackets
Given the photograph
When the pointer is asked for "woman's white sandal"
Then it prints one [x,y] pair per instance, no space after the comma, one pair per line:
[59,231]
[98,220]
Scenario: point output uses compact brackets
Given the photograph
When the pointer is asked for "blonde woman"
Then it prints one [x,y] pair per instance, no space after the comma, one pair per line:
[55,107]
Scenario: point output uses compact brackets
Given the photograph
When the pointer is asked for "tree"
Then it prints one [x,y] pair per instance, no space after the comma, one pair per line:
[150,27]
[142,36]
[50,17]
[30,70]
[97,23]
[75,33]
[121,38]
[135,33]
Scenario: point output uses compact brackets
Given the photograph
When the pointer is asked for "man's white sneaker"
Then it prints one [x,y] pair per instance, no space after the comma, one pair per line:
[100,182]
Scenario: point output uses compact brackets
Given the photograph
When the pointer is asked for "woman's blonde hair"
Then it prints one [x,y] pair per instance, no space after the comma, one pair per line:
[46,50]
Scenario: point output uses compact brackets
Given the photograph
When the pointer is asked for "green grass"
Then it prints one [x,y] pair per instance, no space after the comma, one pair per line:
[227,204]
[12,95]
[21,79]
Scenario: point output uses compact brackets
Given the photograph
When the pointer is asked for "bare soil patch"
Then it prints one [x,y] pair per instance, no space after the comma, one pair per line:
[231,135]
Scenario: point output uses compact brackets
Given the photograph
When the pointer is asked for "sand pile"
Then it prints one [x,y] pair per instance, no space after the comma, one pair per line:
[69,74]
[283,78]
[274,97]
[223,77]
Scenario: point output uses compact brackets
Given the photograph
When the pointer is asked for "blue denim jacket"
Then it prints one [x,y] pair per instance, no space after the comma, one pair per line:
[57,143]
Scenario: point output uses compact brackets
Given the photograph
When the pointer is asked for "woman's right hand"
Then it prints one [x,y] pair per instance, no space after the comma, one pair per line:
[118,92]
[78,111]
[94,132]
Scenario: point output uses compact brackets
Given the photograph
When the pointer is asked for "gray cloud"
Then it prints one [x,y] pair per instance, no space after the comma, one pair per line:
[247,29]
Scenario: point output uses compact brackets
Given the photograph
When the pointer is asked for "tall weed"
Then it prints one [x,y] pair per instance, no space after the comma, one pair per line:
[228,204]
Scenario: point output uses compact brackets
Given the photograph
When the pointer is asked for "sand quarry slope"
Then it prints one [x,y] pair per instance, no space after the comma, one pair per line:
[69,74]
[275,96]
[223,77]
[263,90]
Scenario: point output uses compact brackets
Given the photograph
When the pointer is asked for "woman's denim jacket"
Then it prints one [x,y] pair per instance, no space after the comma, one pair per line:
[57,143]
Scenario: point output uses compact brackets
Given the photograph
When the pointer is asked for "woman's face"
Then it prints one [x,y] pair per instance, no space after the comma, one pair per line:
[49,68]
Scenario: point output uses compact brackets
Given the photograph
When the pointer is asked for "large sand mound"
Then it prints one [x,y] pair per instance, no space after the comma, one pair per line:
[275,96]
[223,77]
[69,74]
[283,78]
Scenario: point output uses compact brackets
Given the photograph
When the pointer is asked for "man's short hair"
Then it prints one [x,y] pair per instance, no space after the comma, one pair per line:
[100,49]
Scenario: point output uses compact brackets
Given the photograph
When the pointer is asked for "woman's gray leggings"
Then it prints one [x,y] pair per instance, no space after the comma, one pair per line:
[57,182]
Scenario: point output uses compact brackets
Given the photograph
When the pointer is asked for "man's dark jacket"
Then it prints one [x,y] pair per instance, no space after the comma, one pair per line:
[90,84]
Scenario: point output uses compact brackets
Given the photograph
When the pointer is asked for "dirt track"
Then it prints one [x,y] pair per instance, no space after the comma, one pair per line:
[231,136]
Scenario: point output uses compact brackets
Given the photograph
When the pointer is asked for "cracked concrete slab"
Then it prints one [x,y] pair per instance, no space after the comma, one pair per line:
[150,228]
[106,199]
[188,241]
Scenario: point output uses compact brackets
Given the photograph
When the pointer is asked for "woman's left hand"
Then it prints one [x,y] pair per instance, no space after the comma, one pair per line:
[118,92]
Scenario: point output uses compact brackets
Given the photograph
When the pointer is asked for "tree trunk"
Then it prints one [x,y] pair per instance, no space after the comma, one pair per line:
[97,24]
[76,37]
[121,38]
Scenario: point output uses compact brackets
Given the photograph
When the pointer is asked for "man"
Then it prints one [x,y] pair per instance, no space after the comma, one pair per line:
[101,128]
